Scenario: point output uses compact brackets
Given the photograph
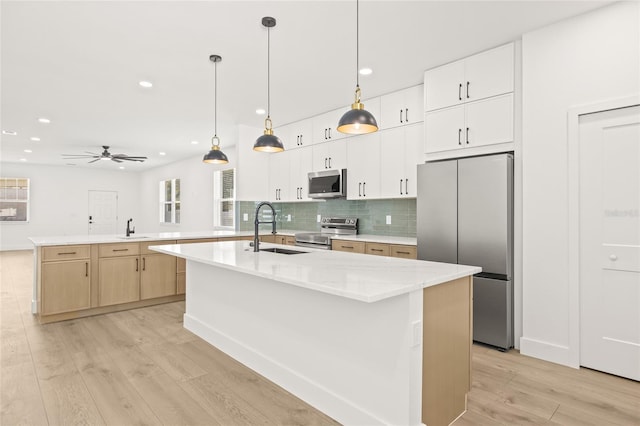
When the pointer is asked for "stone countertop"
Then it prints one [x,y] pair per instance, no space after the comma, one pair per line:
[350,275]
[385,239]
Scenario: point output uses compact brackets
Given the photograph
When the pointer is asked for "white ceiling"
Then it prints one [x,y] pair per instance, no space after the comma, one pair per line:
[78,63]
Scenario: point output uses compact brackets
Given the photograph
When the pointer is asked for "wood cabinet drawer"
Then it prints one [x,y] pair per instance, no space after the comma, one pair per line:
[181,264]
[377,249]
[65,253]
[290,241]
[351,246]
[119,249]
[406,252]
[144,247]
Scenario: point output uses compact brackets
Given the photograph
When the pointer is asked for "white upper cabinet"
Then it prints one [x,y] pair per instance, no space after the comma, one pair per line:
[279,176]
[363,173]
[480,76]
[324,126]
[400,153]
[402,107]
[300,134]
[330,155]
[288,175]
[300,165]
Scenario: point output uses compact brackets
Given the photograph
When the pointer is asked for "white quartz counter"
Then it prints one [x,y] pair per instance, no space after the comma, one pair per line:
[115,238]
[353,276]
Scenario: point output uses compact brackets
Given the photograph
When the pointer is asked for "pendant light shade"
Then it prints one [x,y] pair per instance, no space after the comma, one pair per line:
[357,120]
[268,142]
[215,156]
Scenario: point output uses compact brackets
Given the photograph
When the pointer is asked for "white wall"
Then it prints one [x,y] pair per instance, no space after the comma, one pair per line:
[196,195]
[59,201]
[583,60]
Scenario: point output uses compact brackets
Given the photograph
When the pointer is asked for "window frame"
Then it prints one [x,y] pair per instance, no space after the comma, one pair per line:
[4,201]
[174,203]
[219,200]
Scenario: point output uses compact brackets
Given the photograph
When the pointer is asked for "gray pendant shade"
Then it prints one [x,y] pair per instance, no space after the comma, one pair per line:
[215,155]
[268,142]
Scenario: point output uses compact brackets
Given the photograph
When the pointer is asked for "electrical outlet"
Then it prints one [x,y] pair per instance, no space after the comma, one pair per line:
[388,219]
[318,218]
[245,217]
[416,338]
[288,218]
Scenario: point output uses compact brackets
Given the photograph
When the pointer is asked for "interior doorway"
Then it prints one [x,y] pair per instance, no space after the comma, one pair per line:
[103,212]
[609,234]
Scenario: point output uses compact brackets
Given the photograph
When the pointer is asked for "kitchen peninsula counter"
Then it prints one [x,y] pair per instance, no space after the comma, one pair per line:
[365,339]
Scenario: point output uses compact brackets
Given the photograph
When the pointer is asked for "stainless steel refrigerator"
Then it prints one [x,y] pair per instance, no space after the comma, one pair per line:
[465,216]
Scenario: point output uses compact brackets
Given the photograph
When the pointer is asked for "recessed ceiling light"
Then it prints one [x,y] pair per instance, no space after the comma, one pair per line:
[194,142]
[44,120]
[261,111]
[121,167]
[145,84]
[23,159]
[9,132]
[105,158]
[366,71]
[162,153]
[28,151]
[35,139]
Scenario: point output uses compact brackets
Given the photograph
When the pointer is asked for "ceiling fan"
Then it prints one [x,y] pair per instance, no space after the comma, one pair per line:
[106,155]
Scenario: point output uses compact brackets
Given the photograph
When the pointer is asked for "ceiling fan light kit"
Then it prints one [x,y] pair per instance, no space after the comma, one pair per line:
[215,155]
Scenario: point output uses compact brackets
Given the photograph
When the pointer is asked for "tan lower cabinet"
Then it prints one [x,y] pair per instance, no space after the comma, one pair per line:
[404,251]
[377,249]
[118,280]
[350,246]
[181,283]
[65,286]
[157,276]
[290,241]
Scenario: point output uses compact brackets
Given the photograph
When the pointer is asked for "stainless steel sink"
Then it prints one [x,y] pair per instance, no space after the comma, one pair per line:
[282,250]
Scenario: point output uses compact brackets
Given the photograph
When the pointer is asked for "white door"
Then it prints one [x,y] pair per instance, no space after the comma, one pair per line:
[103,212]
[610,241]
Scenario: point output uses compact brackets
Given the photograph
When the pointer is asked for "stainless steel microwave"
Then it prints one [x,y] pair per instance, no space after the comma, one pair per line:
[328,184]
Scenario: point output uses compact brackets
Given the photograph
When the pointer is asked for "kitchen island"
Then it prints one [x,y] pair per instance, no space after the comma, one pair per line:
[365,339]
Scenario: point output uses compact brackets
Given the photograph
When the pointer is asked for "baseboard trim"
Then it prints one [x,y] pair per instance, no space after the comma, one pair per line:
[551,352]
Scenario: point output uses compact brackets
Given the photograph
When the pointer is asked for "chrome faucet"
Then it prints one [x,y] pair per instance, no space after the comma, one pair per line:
[256,222]
[130,230]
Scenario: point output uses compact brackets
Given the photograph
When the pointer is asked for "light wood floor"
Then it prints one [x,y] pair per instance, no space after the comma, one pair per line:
[143,367]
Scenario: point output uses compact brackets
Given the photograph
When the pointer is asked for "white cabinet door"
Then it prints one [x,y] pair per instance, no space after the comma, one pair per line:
[414,143]
[324,126]
[284,133]
[402,107]
[489,73]
[300,161]
[489,121]
[444,129]
[330,155]
[401,152]
[300,133]
[279,176]
[443,86]
[363,157]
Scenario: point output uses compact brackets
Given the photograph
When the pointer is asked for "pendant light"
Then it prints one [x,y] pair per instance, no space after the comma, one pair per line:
[357,120]
[215,156]
[268,142]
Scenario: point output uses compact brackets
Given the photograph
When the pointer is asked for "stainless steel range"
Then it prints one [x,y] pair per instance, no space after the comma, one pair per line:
[329,227]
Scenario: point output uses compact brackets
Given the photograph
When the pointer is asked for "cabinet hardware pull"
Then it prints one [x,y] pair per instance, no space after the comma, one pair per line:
[301,140]
[329,132]
[325,162]
[401,186]
[325,134]
[406,186]
[329,162]
[359,189]
[467,90]
[401,116]
[460,92]
[364,189]
[348,247]
[467,136]
[144,263]
[66,252]
[406,115]
[120,250]
[376,249]
[459,134]
[136,265]
[86,269]
[403,252]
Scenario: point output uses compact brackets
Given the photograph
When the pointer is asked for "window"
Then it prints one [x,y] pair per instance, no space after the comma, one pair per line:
[14,199]
[170,201]
[224,197]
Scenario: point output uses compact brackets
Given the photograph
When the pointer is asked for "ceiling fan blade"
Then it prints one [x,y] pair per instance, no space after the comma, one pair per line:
[132,159]
[117,160]
[79,156]
[93,161]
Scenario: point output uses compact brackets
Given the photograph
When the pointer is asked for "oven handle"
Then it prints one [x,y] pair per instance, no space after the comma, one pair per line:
[312,245]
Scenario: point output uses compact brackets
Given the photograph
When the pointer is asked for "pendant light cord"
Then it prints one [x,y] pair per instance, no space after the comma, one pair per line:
[357,43]
[268,72]
[215,101]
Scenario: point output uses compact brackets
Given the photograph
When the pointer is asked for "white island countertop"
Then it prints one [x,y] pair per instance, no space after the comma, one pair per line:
[354,276]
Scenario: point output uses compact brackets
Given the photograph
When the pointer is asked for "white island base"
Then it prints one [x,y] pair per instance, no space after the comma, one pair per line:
[347,349]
